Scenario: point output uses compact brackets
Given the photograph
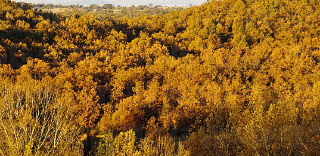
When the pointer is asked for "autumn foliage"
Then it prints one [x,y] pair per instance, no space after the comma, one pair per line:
[232,77]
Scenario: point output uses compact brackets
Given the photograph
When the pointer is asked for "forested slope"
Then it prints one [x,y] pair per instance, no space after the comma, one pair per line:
[232,77]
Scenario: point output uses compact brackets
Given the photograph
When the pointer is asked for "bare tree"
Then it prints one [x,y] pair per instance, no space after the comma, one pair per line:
[36,120]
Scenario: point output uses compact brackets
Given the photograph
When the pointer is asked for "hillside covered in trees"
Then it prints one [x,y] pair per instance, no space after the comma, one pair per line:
[229,77]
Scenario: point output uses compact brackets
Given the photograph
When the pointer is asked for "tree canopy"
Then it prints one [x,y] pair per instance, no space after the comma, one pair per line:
[231,77]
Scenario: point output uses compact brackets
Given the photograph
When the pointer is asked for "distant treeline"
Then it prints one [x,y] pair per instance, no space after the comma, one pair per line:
[108,9]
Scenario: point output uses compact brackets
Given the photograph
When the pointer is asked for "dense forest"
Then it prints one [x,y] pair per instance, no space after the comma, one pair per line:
[229,77]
